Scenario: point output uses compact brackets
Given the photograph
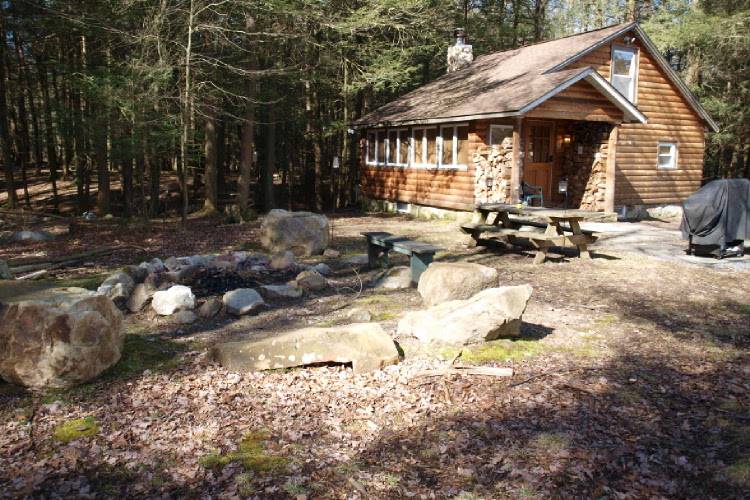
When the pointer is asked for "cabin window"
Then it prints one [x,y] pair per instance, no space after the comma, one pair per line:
[397,147]
[370,148]
[453,146]
[425,147]
[380,147]
[498,133]
[666,156]
[376,147]
[624,71]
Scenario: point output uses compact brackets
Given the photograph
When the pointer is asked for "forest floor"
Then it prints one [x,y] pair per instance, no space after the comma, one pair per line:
[631,379]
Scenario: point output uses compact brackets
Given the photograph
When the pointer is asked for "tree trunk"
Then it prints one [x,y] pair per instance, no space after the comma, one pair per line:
[9,160]
[267,174]
[211,173]
[49,133]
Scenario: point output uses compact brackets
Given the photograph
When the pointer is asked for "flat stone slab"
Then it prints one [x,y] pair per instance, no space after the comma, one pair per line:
[365,345]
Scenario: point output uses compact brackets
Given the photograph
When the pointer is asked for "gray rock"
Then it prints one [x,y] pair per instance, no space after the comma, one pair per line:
[35,236]
[331,253]
[175,298]
[184,317]
[282,261]
[210,307]
[5,273]
[142,293]
[365,345]
[59,338]
[443,281]
[281,291]
[322,268]
[303,233]
[138,273]
[158,281]
[172,264]
[243,301]
[359,260]
[396,278]
[491,314]
[155,265]
[311,280]
[359,315]
[118,287]
[185,275]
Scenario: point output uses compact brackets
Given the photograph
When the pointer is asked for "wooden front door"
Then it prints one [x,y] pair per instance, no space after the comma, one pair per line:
[537,169]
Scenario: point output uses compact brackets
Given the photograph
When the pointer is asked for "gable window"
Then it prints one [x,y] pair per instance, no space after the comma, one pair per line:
[624,62]
[498,133]
[453,146]
[666,156]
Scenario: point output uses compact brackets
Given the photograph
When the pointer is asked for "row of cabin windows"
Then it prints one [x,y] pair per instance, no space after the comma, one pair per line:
[446,146]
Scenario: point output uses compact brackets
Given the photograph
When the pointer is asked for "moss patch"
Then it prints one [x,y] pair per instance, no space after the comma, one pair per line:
[75,429]
[501,350]
[145,352]
[250,453]
[552,442]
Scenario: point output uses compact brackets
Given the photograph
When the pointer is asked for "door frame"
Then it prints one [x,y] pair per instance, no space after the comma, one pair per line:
[552,150]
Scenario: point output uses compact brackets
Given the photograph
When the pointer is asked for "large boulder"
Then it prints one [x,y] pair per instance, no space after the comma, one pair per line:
[304,233]
[365,345]
[443,281]
[243,301]
[489,315]
[59,338]
[175,298]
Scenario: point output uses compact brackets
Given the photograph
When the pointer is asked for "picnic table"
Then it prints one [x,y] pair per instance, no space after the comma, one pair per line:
[542,228]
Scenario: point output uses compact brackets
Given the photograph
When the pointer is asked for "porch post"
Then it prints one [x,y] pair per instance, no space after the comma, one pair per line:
[516,173]
[609,191]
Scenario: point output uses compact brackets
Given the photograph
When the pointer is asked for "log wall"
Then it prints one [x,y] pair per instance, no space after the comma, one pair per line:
[671,119]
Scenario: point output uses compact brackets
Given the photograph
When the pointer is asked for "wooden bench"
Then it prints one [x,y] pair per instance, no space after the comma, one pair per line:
[420,254]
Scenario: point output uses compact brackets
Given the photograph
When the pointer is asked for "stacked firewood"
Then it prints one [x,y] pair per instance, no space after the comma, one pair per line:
[596,184]
[492,173]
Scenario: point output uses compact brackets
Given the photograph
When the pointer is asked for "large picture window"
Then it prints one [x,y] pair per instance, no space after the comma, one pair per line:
[623,73]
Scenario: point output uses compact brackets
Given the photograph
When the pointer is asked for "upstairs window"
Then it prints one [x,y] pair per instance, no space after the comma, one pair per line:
[623,75]
[666,156]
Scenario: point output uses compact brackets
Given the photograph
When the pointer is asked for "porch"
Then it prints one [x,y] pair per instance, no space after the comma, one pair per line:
[569,163]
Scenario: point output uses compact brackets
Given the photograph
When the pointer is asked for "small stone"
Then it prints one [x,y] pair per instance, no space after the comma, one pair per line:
[5,273]
[281,291]
[118,287]
[184,317]
[243,301]
[34,236]
[155,265]
[210,308]
[185,275]
[395,278]
[322,268]
[176,298]
[331,253]
[142,293]
[359,315]
[311,280]
[138,273]
[282,261]
[172,264]
[357,260]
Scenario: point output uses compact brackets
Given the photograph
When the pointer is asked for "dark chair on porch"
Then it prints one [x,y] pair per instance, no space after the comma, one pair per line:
[530,192]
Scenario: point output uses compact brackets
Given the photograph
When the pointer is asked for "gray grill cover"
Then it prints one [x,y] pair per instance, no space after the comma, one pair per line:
[718,213]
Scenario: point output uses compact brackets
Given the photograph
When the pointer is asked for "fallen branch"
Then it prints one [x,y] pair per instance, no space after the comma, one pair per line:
[33,276]
[489,371]
[28,264]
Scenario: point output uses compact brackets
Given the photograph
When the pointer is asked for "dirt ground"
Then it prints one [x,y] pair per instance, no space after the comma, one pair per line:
[631,380]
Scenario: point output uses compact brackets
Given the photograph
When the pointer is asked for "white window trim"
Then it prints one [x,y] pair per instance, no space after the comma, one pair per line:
[674,153]
[633,69]
[371,148]
[453,165]
[498,127]
[398,146]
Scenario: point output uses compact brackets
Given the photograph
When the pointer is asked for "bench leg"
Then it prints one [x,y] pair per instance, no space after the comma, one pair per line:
[419,264]
[373,252]
[541,256]
[474,242]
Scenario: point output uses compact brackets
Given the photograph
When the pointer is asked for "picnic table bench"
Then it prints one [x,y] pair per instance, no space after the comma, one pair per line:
[553,228]
[420,254]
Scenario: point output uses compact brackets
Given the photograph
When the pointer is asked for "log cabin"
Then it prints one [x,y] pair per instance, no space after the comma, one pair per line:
[597,120]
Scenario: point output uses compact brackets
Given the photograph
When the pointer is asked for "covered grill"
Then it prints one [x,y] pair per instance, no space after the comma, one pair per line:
[716,218]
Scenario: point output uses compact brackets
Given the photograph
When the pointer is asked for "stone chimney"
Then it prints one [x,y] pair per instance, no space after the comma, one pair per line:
[460,55]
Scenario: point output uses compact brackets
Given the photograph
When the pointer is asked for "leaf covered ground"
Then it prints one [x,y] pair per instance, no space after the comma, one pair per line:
[631,381]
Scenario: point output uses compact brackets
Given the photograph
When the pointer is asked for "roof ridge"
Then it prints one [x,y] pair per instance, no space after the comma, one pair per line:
[572,35]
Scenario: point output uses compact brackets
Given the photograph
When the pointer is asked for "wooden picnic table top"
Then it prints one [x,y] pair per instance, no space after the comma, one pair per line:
[540,212]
